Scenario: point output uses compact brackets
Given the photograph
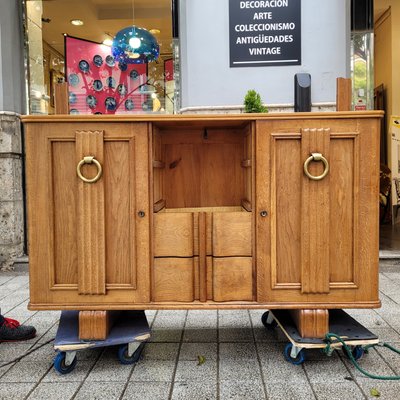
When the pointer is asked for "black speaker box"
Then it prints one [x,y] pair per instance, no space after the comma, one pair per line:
[302,92]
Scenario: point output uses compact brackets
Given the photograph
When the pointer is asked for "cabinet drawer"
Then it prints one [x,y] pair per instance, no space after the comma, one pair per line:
[174,234]
[174,279]
[231,234]
[232,278]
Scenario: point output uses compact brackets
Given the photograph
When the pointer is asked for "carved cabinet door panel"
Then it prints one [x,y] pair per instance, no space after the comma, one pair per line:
[318,181]
[88,213]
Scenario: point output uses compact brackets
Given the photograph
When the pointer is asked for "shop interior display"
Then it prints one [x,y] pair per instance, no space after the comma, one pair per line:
[100,84]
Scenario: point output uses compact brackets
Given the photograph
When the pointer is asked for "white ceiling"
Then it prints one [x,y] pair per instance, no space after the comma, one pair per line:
[104,16]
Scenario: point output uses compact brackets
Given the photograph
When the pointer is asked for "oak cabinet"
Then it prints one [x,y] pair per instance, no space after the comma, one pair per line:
[203,211]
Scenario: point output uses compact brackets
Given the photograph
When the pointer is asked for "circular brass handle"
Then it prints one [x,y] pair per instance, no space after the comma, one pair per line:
[263,213]
[316,157]
[89,160]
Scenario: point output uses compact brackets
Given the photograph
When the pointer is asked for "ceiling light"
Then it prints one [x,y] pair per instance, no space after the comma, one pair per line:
[134,45]
[108,42]
[77,22]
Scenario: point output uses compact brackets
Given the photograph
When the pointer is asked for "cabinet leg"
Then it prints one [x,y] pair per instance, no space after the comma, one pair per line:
[95,325]
[311,323]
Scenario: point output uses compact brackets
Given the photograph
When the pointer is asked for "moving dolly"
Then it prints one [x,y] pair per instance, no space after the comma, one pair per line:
[342,324]
[129,331]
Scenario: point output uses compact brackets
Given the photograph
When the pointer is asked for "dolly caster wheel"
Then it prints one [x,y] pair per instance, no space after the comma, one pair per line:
[357,352]
[123,354]
[268,321]
[60,363]
[299,359]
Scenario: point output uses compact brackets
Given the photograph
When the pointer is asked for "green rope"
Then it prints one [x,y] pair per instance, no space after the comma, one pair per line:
[329,350]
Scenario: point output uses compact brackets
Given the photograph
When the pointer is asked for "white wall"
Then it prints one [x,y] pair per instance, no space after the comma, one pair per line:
[207,79]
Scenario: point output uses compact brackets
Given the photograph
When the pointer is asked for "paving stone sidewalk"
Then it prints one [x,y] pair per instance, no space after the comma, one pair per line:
[243,360]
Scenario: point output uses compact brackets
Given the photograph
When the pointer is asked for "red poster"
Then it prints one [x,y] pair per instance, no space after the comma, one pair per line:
[169,70]
[99,85]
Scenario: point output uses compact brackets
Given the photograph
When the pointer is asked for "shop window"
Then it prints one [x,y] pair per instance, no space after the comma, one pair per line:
[101,56]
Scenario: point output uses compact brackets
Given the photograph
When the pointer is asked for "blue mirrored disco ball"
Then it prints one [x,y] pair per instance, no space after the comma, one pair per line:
[135,45]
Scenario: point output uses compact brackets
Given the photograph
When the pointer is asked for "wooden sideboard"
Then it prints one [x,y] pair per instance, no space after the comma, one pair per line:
[203,211]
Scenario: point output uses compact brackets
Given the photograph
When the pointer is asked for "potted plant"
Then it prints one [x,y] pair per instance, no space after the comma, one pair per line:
[253,103]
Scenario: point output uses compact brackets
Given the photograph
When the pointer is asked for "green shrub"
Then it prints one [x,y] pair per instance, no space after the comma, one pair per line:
[253,103]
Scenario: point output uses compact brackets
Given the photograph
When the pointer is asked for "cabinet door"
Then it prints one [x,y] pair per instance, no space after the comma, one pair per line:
[88,242]
[318,241]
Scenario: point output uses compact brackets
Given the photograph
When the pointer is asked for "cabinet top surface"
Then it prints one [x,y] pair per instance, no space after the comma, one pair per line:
[163,118]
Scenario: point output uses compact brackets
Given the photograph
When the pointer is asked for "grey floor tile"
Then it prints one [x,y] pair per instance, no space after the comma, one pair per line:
[201,326]
[166,335]
[239,390]
[200,318]
[330,370]
[172,313]
[27,371]
[388,390]
[392,358]
[191,371]
[387,334]
[271,351]
[10,351]
[192,351]
[51,390]
[4,279]
[194,391]
[239,370]
[278,371]
[320,355]
[237,351]
[289,391]
[48,334]
[109,371]
[4,368]
[235,326]
[371,363]
[166,329]
[171,321]
[371,320]
[161,351]
[11,391]
[45,353]
[78,374]
[94,391]
[344,391]
[205,335]
[238,334]
[147,391]
[153,371]
[263,334]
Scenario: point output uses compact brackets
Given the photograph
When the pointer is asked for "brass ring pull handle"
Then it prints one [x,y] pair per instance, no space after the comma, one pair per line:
[316,157]
[89,160]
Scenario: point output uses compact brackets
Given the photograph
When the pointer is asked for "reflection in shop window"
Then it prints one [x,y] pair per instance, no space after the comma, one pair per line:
[70,44]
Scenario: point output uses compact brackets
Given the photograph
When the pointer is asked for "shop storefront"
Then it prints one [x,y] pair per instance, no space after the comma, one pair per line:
[169,56]
[165,56]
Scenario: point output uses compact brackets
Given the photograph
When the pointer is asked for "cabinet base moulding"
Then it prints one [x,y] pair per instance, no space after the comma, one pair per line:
[95,325]
[311,323]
